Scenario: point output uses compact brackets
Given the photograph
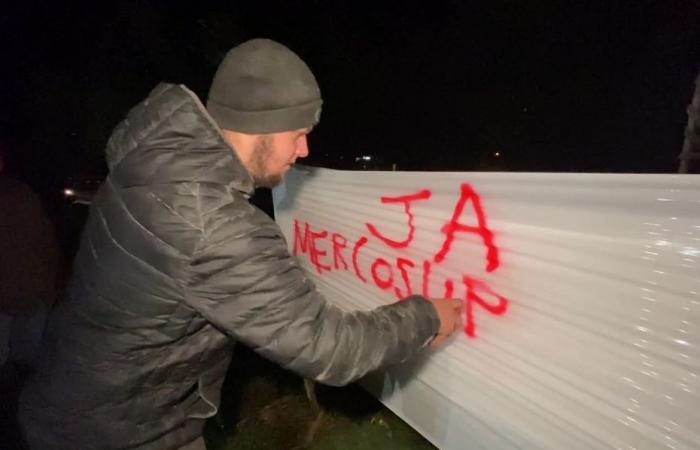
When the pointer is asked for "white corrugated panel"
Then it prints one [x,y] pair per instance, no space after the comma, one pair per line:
[583,291]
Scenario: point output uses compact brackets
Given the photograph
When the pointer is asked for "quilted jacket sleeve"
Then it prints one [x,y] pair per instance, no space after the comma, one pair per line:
[244,281]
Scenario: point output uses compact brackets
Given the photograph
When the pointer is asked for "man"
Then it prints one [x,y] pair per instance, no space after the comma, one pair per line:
[29,260]
[175,262]
[28,269]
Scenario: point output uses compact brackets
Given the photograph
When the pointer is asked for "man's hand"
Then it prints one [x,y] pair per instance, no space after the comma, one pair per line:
[450,313]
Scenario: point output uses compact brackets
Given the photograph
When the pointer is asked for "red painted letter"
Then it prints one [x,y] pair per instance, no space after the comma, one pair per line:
[307,243]
[382,283]
[358,245]
[339,243]
[472,297]
[316,253]
[300,242]
[426,278]
[449,288]
[406,200]
[402,263]
[481,229]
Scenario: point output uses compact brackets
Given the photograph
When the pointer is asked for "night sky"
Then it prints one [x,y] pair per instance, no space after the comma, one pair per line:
[434,85]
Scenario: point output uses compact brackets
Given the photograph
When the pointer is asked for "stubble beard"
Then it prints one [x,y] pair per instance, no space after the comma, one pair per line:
[259,161]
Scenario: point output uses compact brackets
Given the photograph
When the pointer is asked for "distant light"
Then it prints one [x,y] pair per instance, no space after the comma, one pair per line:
[367,158]
[497,154]
[68,192]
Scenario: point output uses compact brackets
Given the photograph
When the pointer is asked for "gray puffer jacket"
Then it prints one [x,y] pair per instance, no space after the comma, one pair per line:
[174,265]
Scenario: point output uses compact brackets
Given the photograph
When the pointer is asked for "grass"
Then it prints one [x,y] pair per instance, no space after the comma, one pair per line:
[266,408]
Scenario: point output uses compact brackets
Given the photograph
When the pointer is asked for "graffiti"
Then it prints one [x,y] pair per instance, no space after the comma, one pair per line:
[406,200]
[394,274]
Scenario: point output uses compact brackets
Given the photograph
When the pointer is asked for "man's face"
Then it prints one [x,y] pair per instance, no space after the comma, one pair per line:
[276,153]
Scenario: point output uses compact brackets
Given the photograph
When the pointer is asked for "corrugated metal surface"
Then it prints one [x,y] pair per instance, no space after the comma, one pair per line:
[585,300]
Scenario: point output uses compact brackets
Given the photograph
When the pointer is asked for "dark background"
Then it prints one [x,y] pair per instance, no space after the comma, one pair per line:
[434,85]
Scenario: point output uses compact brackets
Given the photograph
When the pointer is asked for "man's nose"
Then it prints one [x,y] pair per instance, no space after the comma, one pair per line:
[303,147]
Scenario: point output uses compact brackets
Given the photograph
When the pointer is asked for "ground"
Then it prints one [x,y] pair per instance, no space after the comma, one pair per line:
[265,408]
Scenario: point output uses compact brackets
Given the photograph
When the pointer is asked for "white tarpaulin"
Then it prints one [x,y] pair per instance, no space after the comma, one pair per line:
[582,294]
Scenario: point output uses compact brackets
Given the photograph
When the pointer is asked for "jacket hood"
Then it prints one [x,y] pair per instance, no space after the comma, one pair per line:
[171,138]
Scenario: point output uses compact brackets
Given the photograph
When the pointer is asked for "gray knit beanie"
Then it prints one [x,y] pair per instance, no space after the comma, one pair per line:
[261,87]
